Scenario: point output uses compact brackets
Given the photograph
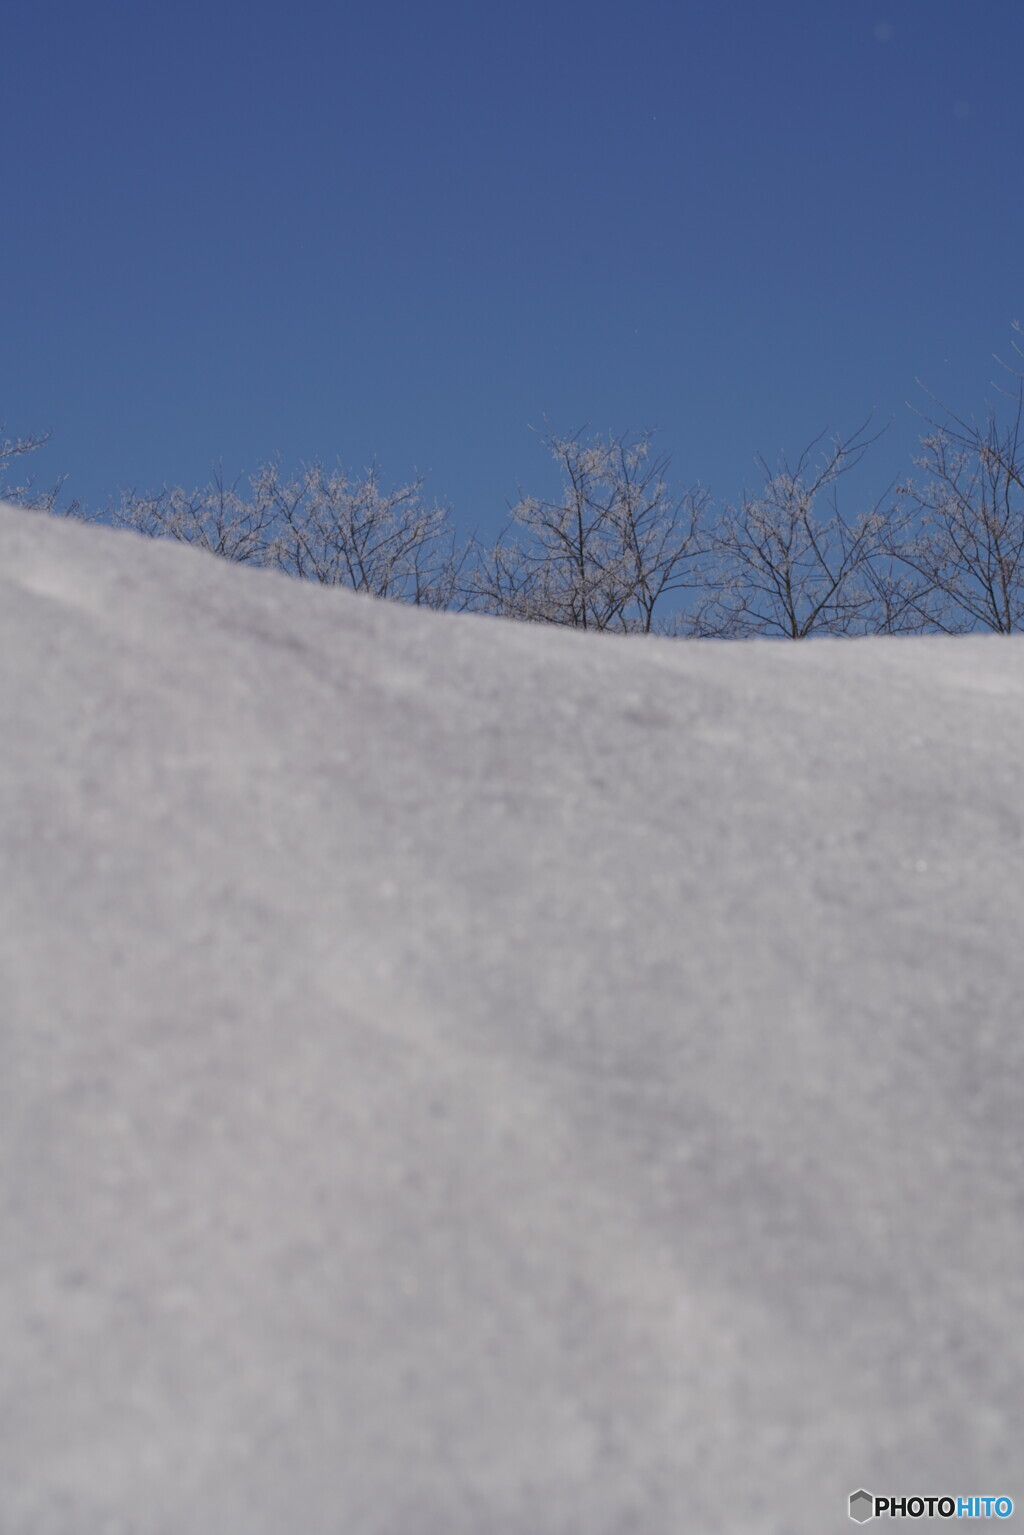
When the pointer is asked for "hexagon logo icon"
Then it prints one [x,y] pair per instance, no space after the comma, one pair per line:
[862,1506]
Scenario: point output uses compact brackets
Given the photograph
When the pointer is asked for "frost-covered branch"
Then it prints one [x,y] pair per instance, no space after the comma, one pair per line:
[606,553]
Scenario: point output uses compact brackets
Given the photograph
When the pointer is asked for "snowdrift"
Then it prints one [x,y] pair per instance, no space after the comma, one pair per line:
[467,1077]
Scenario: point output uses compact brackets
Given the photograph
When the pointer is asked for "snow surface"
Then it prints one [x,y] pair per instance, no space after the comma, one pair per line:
[468,1078]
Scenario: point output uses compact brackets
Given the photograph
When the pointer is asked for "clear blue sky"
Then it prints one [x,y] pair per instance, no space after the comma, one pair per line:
[410,231]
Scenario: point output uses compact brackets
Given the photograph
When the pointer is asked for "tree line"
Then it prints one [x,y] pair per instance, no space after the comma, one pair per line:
[619,549]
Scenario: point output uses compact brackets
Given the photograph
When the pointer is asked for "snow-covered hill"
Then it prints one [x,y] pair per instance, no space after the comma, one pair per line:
[462,1078]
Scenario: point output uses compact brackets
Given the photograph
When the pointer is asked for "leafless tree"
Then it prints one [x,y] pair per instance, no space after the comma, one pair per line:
[606,553]
[961,546]
[319,526]
[344,532]
[27,495]
[215,517]
[787,561]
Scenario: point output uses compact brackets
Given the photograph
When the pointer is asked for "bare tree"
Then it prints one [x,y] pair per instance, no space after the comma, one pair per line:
[514,581]
[318,526]
[344,532]
[607,552]
[785,566]
[27,495]
[961,544]
[214,517]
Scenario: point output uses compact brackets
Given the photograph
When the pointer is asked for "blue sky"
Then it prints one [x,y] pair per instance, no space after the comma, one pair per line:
[410,232]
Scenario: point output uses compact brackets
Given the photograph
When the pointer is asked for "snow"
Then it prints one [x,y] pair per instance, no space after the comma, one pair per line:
[462,1076]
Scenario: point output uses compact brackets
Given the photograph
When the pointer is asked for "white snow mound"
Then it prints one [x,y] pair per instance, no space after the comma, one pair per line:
[468,1078]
